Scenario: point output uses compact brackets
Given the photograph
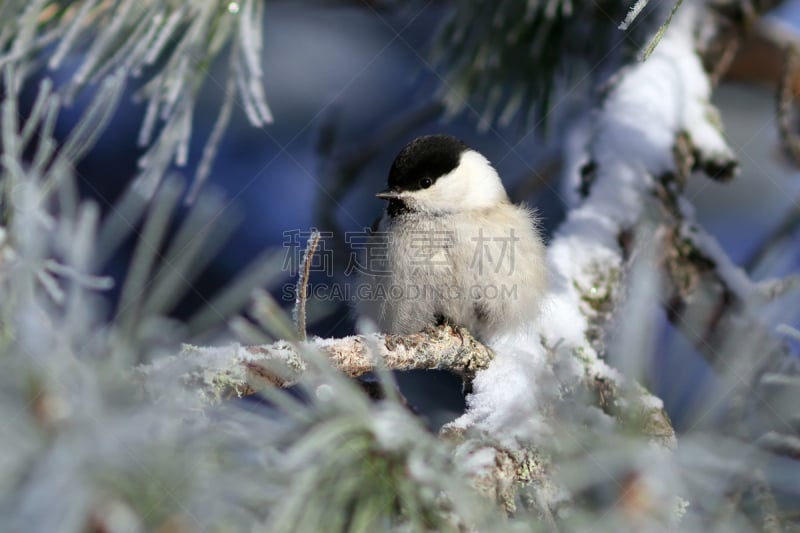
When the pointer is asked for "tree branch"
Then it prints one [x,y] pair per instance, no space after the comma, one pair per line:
[241,370]
[220,373]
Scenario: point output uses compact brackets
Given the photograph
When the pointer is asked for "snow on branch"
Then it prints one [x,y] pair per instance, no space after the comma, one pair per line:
[241,370]
[219,373]
[656,126]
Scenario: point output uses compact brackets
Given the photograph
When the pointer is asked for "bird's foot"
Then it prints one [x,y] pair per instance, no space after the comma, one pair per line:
[442,321]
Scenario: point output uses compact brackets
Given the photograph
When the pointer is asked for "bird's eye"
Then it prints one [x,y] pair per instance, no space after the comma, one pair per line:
[424,183]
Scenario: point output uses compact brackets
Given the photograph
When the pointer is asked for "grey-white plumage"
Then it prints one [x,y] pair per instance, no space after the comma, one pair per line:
[451,247]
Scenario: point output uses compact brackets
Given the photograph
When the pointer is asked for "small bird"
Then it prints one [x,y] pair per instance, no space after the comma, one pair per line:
[451,248]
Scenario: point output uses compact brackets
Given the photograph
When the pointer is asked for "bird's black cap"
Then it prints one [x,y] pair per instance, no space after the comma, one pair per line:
[431,157]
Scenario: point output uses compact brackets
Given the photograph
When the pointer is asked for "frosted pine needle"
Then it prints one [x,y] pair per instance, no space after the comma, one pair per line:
[633,13]
[660,33]
[173,43]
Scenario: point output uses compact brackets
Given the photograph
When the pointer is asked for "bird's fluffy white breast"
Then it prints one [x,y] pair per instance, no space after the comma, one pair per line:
[487,259]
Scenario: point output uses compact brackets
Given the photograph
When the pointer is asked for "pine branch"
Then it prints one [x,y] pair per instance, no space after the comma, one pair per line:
[235,371]
[484,49]
[639,159]
[242,370]
[171,44]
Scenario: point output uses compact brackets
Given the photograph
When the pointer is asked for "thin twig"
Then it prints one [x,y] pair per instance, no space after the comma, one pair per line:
[302,285]
[730,49]
[786,98]
[771,289]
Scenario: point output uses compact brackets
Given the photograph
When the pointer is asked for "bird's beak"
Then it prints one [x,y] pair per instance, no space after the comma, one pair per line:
[388,195]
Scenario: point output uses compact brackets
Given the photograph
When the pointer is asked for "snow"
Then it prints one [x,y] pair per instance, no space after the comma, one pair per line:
[634,134]
[633,13]
[330,342]
[506,398]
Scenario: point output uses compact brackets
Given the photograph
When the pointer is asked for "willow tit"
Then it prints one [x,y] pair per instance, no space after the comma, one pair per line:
[451,247]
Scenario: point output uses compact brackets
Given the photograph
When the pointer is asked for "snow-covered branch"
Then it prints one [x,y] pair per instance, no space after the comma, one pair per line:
[233,371]
[242,370]
[656,126]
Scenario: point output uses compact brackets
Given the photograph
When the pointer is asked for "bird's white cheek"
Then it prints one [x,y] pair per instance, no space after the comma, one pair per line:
[432,199]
